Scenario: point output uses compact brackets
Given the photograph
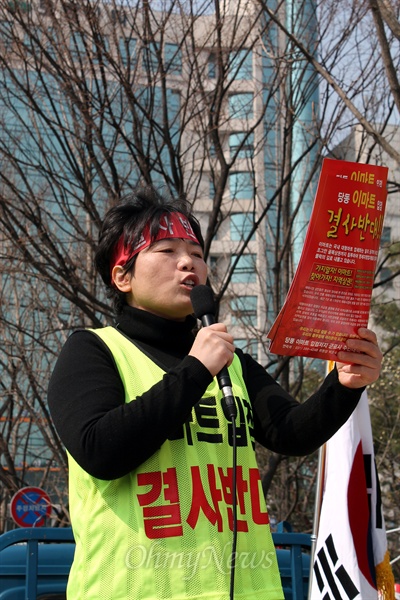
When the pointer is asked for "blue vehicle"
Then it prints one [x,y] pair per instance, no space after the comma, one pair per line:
[35,563]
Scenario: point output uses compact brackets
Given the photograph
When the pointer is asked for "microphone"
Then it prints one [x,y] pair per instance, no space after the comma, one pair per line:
[203,303]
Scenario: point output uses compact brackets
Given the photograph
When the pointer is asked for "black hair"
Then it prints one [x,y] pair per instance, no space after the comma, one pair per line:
[143,206]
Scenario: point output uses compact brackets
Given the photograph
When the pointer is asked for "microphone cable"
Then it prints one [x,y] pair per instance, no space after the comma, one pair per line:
[202,299]
[234,512]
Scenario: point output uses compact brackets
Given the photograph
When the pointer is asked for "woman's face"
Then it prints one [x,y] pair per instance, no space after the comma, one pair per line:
[163,277]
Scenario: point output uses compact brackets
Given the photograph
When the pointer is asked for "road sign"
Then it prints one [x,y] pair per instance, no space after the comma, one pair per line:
[30,506]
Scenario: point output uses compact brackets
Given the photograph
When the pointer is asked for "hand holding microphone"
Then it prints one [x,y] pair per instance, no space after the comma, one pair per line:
[214,345]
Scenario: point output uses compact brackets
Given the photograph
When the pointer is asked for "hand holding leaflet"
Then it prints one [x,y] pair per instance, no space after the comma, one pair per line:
[330,296]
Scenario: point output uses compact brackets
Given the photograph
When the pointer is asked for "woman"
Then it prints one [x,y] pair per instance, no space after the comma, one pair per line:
[138,408]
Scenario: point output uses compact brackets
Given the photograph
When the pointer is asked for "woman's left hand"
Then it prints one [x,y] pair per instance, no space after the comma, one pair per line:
[362,362]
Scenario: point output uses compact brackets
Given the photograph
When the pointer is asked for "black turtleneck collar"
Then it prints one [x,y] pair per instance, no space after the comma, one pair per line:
[174,338]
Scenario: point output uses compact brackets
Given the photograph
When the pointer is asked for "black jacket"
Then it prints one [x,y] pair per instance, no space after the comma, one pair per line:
[109,438]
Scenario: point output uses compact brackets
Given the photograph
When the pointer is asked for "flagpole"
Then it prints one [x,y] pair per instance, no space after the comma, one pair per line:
[318,500]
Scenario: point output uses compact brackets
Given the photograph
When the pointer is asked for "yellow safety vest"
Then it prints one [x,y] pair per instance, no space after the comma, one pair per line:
[164,531]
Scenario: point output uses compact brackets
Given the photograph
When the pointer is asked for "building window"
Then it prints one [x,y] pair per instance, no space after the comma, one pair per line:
[211,187]
[6,34]
[245,269]
[212,66]
[215,264]
[34,38]
[249,346]
[240,226]
[244,311]
[127,49]
[386,236]
[173,59]
[151,57]
[385,275]
[100,49]
[77,46]
[50,43]
[212,150]
[241,105]
[241,185]
[119,16]
[242,64]
[242,143]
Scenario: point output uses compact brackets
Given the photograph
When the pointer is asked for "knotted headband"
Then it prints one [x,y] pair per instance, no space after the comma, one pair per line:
[172,225]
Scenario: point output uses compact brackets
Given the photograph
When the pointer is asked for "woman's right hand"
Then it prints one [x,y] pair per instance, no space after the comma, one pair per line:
[214,347]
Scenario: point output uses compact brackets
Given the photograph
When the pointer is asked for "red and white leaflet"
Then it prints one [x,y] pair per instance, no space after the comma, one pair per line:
[330,296]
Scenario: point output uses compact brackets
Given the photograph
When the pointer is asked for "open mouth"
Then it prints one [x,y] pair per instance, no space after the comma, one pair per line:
[189,283]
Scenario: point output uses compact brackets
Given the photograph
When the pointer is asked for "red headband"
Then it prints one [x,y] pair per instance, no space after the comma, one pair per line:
[172,225]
